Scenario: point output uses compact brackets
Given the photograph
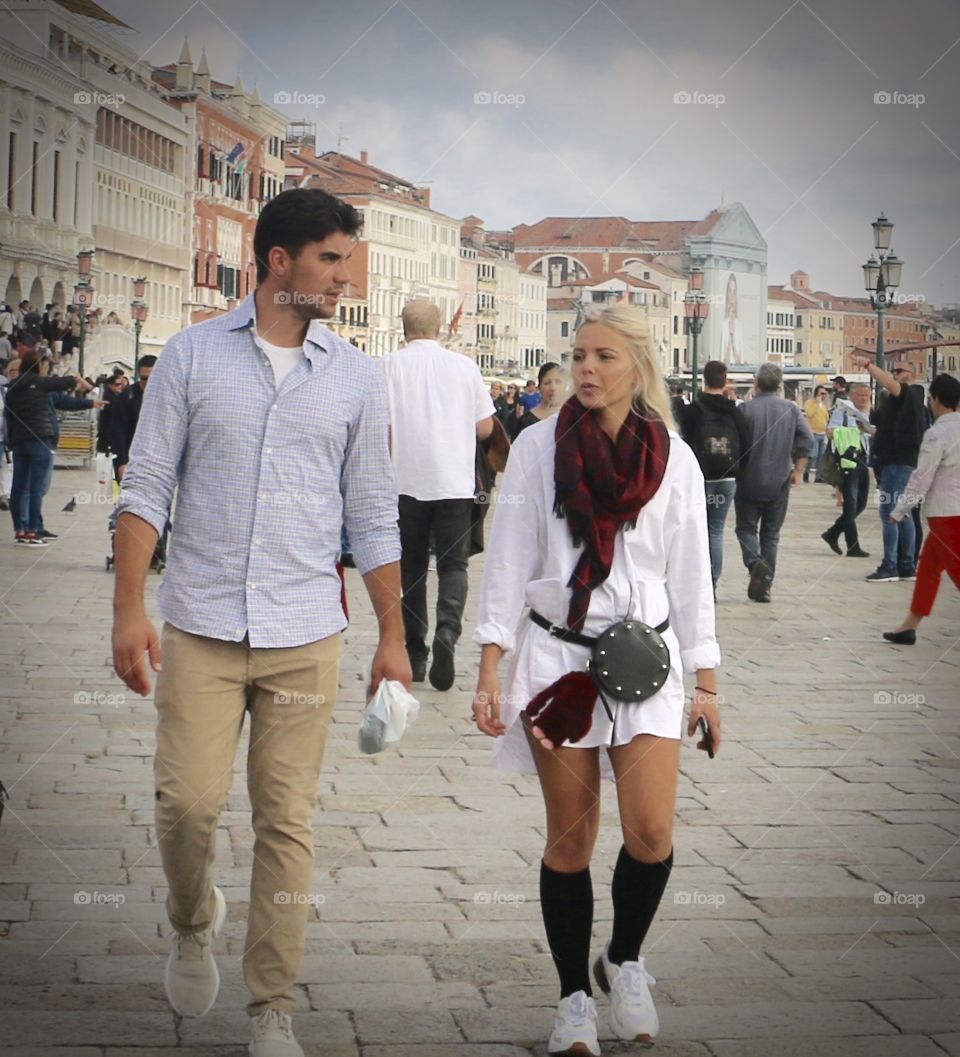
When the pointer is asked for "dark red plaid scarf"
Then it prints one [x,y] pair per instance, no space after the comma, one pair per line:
[601,487]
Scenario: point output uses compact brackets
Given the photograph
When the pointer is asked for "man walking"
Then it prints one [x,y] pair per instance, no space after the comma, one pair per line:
[816,411]
[272,431]
[439,408]
[125,414]
[850,432]
[900,421]
[717,432]
[780,443]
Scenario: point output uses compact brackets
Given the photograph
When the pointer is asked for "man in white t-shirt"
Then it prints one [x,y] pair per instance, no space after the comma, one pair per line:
[439,408]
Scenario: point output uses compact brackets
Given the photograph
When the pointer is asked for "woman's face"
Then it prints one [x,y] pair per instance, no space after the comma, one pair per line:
[552,386]
[511,392]
[495,390]
[603,370]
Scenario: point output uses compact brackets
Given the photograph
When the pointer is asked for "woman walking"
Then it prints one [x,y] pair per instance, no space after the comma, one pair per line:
[935,481]
[550,386]
[611,528]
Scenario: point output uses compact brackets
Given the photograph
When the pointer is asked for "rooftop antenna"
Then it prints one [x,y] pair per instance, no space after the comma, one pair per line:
[341,138]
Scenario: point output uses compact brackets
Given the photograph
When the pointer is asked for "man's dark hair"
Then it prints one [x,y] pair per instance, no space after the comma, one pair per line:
[946,389]
[299,216]
[146,361]
[714,374]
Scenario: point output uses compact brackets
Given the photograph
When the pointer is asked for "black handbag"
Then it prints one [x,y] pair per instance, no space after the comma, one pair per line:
[630,661]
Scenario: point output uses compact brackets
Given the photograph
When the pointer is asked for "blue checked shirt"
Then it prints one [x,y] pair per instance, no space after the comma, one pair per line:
[263,478]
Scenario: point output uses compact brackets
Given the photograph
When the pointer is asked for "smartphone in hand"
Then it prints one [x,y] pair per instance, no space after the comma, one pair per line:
[707,736]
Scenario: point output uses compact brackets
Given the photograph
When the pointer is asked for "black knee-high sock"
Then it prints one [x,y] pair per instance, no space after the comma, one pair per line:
[637,890]
[566,901]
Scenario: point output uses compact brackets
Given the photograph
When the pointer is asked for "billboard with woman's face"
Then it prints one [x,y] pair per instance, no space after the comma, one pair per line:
[735,330]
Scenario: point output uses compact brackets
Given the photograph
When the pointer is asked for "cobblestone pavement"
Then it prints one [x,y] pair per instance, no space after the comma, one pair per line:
[813,905]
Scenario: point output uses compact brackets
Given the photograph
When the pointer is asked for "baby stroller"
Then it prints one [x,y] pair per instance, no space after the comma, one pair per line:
[159,560]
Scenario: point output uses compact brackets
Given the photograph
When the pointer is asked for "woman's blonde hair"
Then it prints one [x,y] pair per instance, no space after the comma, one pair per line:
[650,397]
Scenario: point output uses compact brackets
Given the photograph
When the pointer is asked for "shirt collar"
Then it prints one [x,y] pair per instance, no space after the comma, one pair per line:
[244,317]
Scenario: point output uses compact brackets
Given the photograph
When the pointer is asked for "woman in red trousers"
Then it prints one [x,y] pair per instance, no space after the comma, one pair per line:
[936,481]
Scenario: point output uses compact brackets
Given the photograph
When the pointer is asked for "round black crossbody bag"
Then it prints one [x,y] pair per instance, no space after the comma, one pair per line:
[630,661]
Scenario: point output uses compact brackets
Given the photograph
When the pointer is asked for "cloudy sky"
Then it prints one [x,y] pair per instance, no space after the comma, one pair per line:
[518,109]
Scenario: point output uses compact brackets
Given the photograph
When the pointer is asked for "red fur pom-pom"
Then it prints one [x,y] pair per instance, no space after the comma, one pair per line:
[564,711]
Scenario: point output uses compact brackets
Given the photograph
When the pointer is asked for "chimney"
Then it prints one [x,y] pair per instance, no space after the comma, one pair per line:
[363,157]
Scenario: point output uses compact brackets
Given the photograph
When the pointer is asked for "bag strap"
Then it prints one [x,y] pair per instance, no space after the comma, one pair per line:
[567,635]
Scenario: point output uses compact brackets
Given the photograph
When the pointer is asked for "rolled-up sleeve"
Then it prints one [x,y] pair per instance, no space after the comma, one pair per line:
[689,581]
[515,548]
[150,479]
[368,486]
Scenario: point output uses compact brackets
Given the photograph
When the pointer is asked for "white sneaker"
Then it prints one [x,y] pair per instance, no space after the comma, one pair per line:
[273,1036]
[191,978]
[632,1012]
[574,1026]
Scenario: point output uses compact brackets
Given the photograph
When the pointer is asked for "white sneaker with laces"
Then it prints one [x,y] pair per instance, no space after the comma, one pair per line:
[191,978]
[574,1027]
[273,1035]
[633,1014]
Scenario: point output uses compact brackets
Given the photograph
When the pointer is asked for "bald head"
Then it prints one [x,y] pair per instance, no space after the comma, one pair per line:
[421,319]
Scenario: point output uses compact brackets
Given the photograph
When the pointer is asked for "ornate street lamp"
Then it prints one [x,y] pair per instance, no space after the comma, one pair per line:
[696,309]
[881,276]
[83,299]
[138,312]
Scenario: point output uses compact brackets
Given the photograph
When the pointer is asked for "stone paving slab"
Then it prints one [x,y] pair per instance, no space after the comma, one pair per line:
[813,906]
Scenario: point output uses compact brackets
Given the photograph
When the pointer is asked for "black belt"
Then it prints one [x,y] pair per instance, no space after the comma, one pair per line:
[566,635]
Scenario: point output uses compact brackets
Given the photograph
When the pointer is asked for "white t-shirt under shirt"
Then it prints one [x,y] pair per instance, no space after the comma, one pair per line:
[436,398]
[282,359]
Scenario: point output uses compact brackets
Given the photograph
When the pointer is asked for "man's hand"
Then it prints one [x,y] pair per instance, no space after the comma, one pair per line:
[896,516]
[794,478]
[133,637]
[390,662]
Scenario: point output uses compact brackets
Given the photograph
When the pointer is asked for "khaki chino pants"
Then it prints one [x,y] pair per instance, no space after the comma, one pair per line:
[203,691]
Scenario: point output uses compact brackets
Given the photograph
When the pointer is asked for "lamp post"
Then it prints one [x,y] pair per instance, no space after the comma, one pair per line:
[138,311]
[696,310]
[83,299]
[881,276]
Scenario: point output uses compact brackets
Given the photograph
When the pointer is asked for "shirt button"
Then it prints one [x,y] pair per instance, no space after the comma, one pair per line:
[252,587]
[273,407]
[269,451]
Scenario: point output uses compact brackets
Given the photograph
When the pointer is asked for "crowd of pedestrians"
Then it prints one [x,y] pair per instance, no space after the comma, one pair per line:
[278,440]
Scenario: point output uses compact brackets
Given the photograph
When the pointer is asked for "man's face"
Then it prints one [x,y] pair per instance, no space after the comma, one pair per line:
[904,375]
[143,376]
[495,389]
[311,283]
[861,398]
[531,386]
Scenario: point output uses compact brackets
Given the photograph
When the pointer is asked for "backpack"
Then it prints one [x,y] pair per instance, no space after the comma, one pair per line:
[718,448]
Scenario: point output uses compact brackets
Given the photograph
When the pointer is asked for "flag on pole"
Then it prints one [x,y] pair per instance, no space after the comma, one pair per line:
[455,322]
[235,153]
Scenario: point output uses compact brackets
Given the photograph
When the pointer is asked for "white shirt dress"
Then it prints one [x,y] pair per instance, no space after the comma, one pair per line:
[661,569]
